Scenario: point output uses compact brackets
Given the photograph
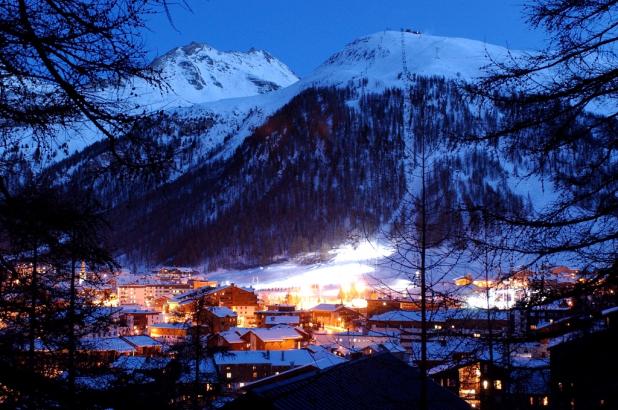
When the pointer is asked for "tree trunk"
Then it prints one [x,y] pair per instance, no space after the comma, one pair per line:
[32,316]
[72,338]
[423,271]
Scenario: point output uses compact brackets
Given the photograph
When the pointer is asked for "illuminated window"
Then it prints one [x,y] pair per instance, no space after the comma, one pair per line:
[228,375]
[485,384]
[241,384]
[498,384]
[255,375]
[545,401]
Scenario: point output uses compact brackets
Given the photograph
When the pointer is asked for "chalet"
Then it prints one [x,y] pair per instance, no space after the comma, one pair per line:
[241,300]
[138,320]
[478,382]
[238,368]
[169,332]
[389,347]
[336,315]
[144,345]
[282,314]
[376,382]
[473,322]
[220,318]
[229,340]
[275,338]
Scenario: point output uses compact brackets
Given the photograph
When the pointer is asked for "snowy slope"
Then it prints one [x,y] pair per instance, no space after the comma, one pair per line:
[198,73]
[241,90]
[376,58]
[257,152]
[192,74]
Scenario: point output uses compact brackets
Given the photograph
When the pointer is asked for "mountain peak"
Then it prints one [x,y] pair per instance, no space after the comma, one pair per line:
[197,73]
[194,47]
[379,58]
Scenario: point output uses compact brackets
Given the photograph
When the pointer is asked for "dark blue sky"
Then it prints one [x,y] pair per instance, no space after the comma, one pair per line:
[303,33]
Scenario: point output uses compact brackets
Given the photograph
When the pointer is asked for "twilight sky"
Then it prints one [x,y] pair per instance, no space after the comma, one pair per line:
[303,33]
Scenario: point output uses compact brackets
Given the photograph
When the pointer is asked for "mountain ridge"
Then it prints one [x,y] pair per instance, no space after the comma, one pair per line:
[297,169]
[197,73]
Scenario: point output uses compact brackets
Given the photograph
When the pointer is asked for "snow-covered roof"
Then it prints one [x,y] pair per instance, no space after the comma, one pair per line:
[278,358]
[134,310]
[222,311]
[278,320]
[440,315]
[207,371]
[170,325]
[276,333]
[397,316]
[462,347]
[241,357]
[326,307]
[141,341]
[205,291]
[389,347]
[233,335]
[115,344]
[133,363]
[608,311]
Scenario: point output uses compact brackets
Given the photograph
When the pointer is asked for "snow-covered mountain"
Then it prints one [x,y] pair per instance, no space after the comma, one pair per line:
[278,172]
[198,73]
[378,59]
[371,64]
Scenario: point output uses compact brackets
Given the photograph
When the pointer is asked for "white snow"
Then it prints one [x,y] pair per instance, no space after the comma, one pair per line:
[378,57]
[198,73]
[222,311]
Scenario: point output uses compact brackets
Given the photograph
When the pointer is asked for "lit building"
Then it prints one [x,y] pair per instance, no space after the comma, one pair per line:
[219,318]
[333,315]
[282,314]
[239,368]
[146,294]
[169,332]
[139,320]
[479,383]
[243,301]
